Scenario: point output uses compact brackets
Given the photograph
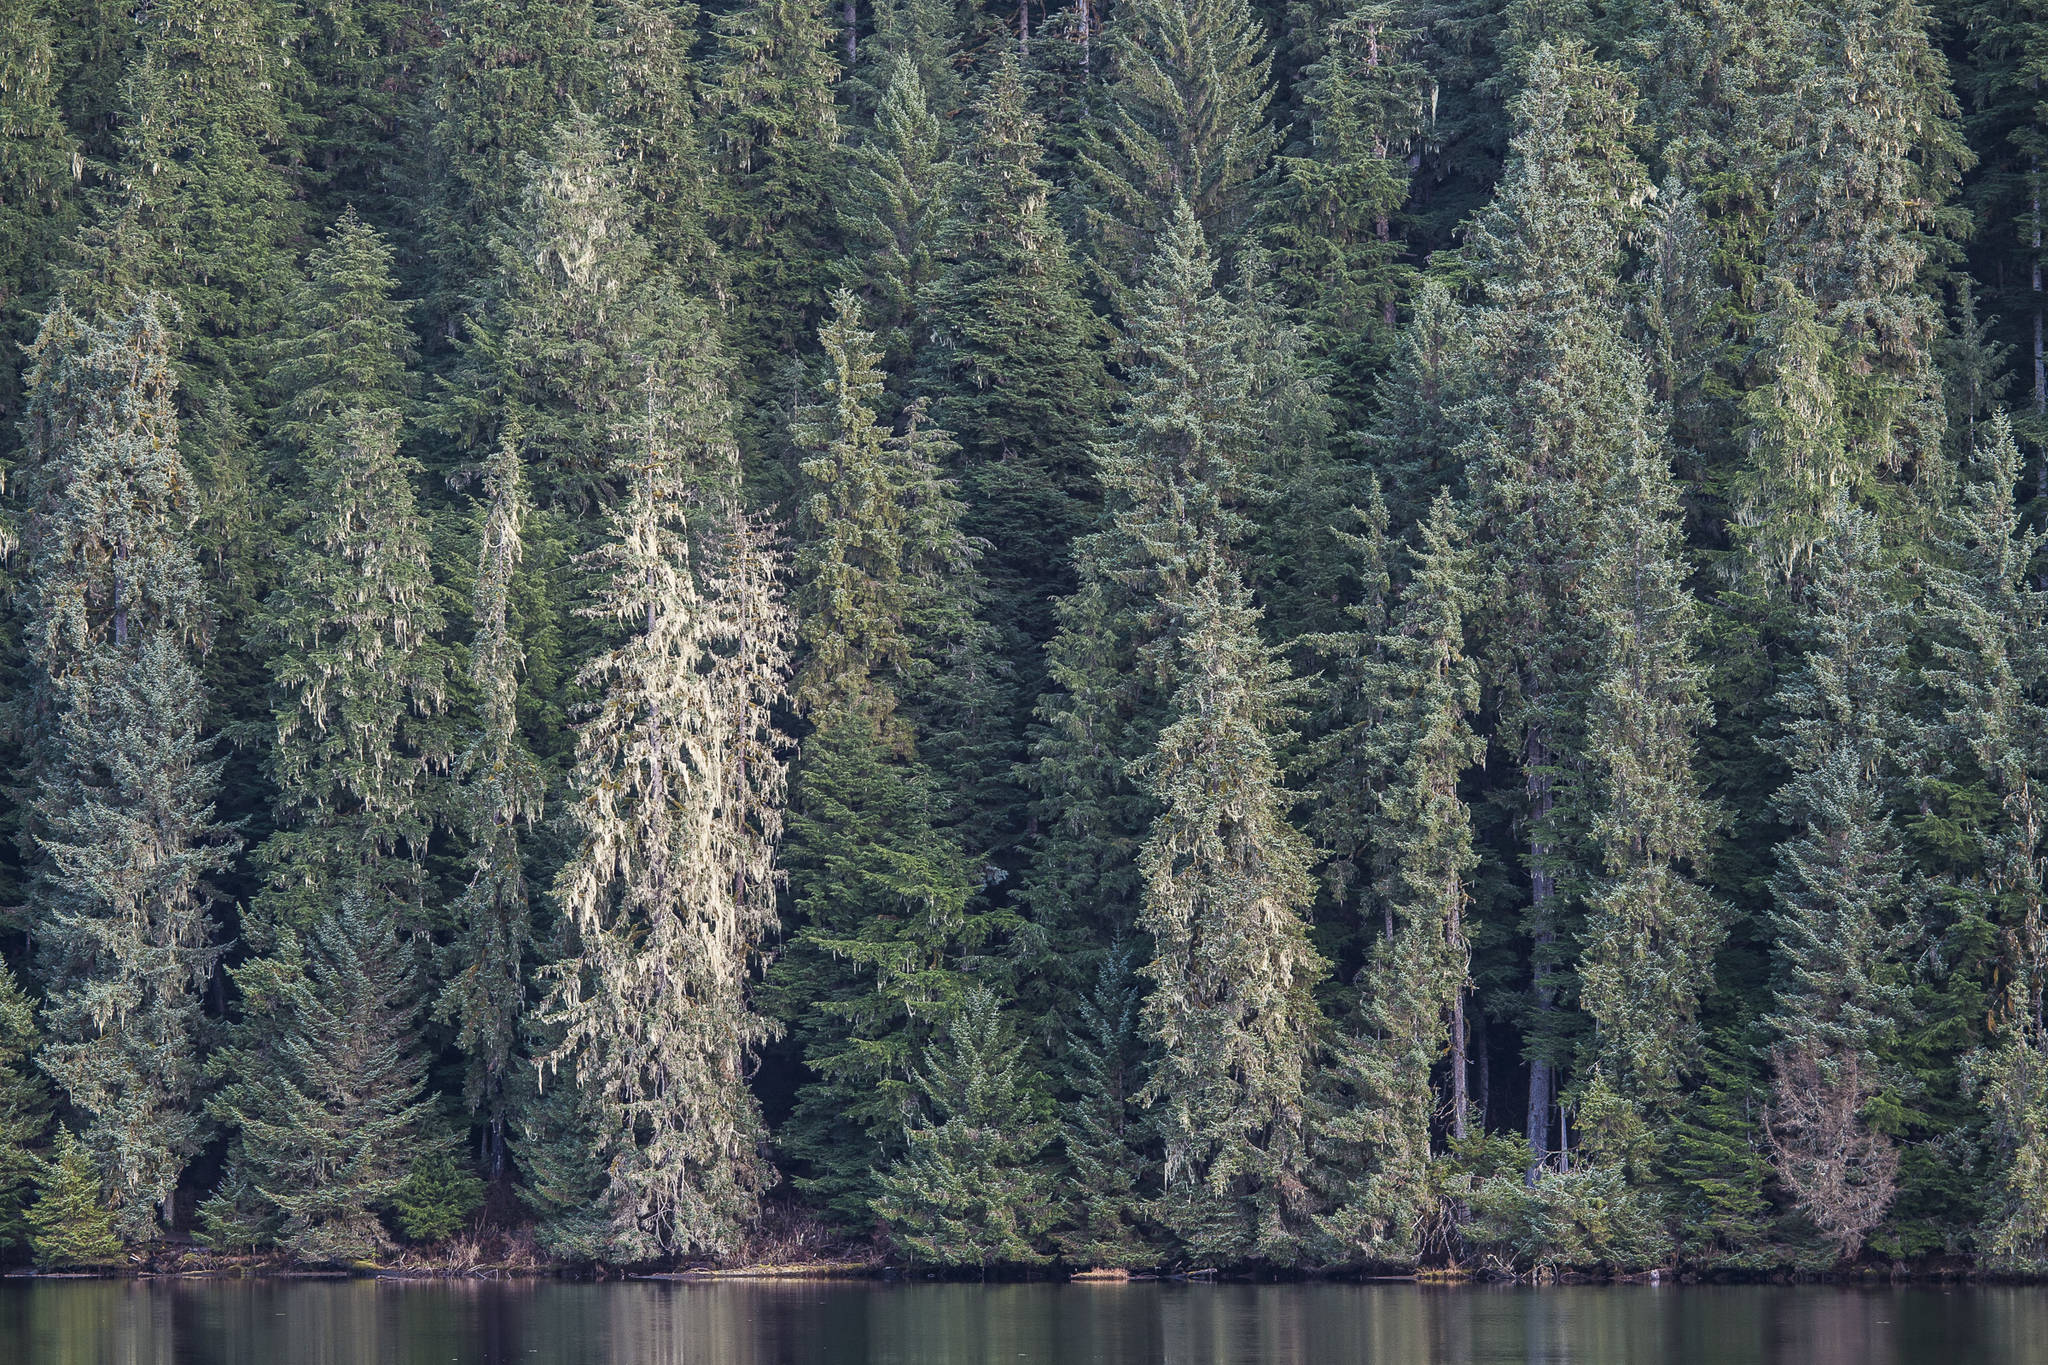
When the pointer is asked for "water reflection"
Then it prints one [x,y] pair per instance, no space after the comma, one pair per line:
[363,1322]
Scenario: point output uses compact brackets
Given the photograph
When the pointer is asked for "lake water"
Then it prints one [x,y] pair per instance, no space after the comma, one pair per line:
[391,1322]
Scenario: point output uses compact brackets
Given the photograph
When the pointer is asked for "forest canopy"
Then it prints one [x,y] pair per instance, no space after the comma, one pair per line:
[1255,634]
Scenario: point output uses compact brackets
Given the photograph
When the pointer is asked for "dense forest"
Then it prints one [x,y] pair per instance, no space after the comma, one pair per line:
[1262,634]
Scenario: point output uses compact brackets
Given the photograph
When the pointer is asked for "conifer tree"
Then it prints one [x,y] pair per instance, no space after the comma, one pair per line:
[483,990]
[1413,995]
[504,78]
[1978,755]
[574,314]
[1186,122]
[1651,932]
[652,100]
[24,1112]
[70,1227]
[774,134]
[1557,403]
[1174,473]
[970,1188]
[325,1085]
[890,915]
[1841,899]
[896,193]
[358,677]
[671,888]
[37,201]
[1339,259]
[121,808]
[1014,368]
[1231,1012]
[1104,1137]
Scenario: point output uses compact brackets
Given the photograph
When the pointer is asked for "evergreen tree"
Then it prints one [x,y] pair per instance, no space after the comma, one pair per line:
[1186,122]
[890,917]
[70,1227]
[122,804]
[1978,755]
[1365,100]
[1175,473]
[573,317]
[970,1188]
[357,674]
[671,887]
[774,134]
[24,1112]
[1231,1011]
[325,1085]
[1558,403]
[1014,369]
[1104,1135]
[37,201]
[1651,932]
[1841,899]
[1413,995]
[896,192]
[483,990]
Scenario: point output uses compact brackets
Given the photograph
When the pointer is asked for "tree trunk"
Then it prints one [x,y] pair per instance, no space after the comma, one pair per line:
[1542,893]
[1458,1102]
[852,18]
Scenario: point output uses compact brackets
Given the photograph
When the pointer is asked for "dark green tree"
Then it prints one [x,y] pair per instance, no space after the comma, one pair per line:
[971,1187]
[24,1113]
[69,1227]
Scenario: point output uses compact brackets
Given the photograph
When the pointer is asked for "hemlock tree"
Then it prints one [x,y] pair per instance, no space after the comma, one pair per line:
[325,1087]
[1376,1149]
[971,1188]
[121,807]
[1231,1011]
[483,968]
[1187,122]
[1841,909]
[37,202]
[671,888]
[1104,1135]
[358,677]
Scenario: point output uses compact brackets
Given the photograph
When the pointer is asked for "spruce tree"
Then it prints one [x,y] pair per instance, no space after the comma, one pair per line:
[483,969]
[1842,915]
[1186,122]
[971,1188]
[1978,754]
[325,1086]
[1376,1147]
[1231,1012]
[357,675]
[121,807]
[671,888]
[568,323]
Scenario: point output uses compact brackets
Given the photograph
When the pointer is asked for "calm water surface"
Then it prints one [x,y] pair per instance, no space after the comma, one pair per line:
[370,1322]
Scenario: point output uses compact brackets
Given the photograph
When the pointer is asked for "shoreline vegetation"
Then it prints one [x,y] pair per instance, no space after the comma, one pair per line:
[1217,638]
